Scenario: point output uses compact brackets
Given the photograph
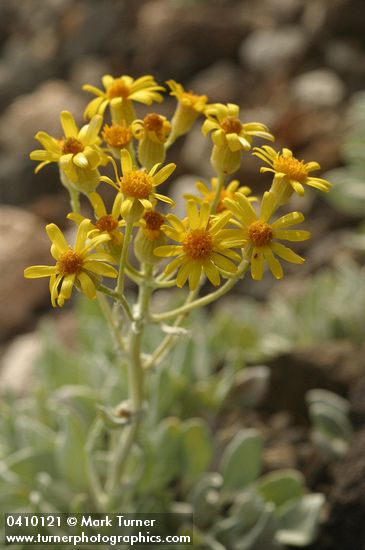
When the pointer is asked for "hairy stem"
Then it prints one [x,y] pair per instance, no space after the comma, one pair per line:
[123,257]
[135,372]
[218,191]
[205,300]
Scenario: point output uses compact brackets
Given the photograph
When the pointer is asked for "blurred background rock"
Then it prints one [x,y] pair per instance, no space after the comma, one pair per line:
[292,64]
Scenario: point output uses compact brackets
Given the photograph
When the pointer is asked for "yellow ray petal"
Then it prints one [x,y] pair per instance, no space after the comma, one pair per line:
[68,124]
[56,236]
[274,264]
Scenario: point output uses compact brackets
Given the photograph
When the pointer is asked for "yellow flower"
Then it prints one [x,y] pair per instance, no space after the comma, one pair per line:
[149,236]
[261,236]
[77,153]
[230,136]
[119,93]
[189,107]
[291,174]
[117,137]
[109,223]
[78,266]
[152,133]
[205,246]
[138,187]
[229,192]
[151,224]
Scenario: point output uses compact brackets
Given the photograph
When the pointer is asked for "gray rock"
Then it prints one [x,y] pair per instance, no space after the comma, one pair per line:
[344,57]
[39,110]
[27,115]
[267,49]
[23,243]
[18,362]
[88,70]
[222,82]
[177,39]
[285,11]
[319,88]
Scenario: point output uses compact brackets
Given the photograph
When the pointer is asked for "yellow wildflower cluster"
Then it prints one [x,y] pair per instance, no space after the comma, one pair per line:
[223,233]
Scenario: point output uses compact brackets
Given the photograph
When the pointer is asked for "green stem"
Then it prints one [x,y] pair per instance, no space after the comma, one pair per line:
[135,372]
[74,199]
[221,179]
[94,481]
[116,296]
[201,302]
[164,347]
[123,257]
[108,314]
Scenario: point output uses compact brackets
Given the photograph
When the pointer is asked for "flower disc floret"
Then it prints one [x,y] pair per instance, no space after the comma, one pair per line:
[106,223]
[295,169]
[72,145]
[118,88]
[137,184]
[69,262]
[260,233]
[117,136]
[152,223]
[231,125]
[198,244]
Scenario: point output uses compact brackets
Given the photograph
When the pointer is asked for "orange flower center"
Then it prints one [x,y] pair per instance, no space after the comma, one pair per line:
[153,220]
[69,263]
[137,184]
[158,125]
[198,244]
[153,122]
[118,89]
[117,136]
[295,169]
[231,125]
[260,233]
[106,223]
[72,145]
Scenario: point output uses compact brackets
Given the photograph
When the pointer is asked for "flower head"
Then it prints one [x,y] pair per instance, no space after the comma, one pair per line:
[120,92]
[208,193]
[291,174]
[152,133]
[204,246]
[189,107]
[117,137]
[230,136]
[138,187]
[149,236]
[105,222]
[78,266]
[260,236]
[77,153]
